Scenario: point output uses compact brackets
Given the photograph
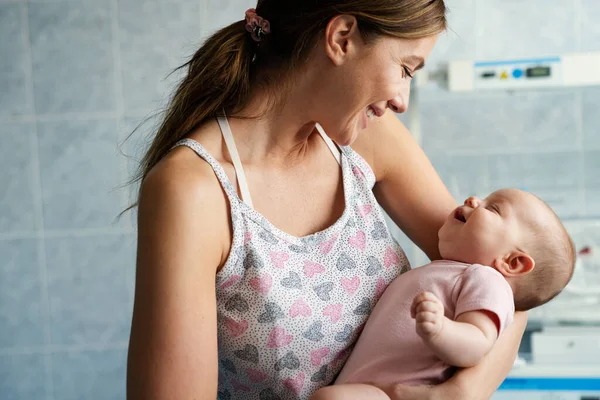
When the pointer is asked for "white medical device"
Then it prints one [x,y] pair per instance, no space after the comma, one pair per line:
[568,70]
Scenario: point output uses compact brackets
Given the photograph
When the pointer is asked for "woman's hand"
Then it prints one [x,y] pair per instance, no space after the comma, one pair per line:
[444,391]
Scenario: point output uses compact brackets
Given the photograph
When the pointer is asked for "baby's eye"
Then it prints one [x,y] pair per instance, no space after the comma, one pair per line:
[493,208]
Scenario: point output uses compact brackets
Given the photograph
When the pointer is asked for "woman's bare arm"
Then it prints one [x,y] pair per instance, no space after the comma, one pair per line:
[182,231]
[407,187]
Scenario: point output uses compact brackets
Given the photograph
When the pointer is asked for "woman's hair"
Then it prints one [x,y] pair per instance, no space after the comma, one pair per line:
[230,63]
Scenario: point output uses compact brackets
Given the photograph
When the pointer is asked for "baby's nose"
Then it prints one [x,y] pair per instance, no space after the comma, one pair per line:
[472,202]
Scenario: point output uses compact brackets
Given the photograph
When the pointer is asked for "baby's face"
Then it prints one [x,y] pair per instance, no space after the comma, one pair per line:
[481,231]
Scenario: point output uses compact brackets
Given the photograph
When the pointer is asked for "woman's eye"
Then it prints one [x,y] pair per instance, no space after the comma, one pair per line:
[407,72]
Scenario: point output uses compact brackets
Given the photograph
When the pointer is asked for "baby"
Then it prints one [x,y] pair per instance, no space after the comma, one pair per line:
[504,253]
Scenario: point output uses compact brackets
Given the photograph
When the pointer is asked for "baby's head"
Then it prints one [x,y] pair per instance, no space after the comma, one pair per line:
[517,234]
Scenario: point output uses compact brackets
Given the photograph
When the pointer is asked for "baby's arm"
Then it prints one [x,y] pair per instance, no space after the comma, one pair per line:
[461,343]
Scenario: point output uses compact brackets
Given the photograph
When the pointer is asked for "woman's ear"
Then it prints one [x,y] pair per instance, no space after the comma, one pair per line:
[515,264]
[341,36]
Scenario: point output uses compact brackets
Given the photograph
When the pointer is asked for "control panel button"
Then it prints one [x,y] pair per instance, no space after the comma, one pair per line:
[517,73]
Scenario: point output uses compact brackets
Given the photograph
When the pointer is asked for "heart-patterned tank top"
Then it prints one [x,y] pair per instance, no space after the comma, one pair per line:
[291,308]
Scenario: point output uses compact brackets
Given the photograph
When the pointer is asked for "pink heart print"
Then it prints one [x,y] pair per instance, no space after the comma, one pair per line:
[380,288]
[256,376]
[327,245]
[300,308]
[333,311]
[350,285]
[278,338]
[262,284]
[364,210]
[237,386]
[357,172]
[230,282]
[247,237]
[235,328]
[358,240]
[279,258]
[390,258]
[316,356]
[312,268]
[295,384]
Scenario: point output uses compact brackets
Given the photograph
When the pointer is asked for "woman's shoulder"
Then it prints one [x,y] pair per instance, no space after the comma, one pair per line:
[184,192]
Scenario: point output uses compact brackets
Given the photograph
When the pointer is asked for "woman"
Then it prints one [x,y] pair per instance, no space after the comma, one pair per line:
[261,245]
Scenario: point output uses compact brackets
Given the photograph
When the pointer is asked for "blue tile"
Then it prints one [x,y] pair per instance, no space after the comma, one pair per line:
[592,169]
[447,125]
[590,30]
[592,183]
[22,377]
[592,202]
[155,38]
[591,118]
[81,172]
[458,42]
[73,62]
[17,178]
[14,61]
[554,177]
[529,121]
[516,28]
[90,288]
[89,375]
[463,175]
[221,13]
[136,137]
[21,311]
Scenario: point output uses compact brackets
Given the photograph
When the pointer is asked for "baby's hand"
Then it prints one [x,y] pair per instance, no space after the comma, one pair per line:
[428,311]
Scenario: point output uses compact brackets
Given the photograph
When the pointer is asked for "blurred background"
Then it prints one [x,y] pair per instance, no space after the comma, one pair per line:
[77,76]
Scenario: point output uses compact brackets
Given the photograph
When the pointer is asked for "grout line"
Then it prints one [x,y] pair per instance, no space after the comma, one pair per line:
[117,64]
[58,117]
[579,24]
[39,213]
[48,350]
[580,138]
[139,113]
[29,85]
[65,233]
[120,104]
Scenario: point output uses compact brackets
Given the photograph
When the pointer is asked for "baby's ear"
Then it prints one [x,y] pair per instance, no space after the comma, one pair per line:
[515,264]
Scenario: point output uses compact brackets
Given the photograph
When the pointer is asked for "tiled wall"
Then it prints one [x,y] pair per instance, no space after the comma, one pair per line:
[545,141]
[77,75]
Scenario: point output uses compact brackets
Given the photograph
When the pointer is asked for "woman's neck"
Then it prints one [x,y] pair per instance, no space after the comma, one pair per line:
[282,133]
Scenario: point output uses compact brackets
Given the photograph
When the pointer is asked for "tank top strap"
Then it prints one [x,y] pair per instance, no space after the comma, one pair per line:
[216,166]
[235,159]
[332,147]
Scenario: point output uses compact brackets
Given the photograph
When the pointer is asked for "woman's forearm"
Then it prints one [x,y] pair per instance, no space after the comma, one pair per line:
[481,381]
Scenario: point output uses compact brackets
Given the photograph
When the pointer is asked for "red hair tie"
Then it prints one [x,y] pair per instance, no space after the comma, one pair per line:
[257,26]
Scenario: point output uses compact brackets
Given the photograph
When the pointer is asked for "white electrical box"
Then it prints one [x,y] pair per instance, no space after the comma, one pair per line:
[577,69]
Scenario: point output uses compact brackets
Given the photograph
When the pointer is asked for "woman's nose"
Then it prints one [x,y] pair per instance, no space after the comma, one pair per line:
[397,105]
[472,202]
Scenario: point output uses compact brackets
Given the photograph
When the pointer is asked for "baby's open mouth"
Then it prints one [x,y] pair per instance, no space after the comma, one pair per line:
[458,214]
